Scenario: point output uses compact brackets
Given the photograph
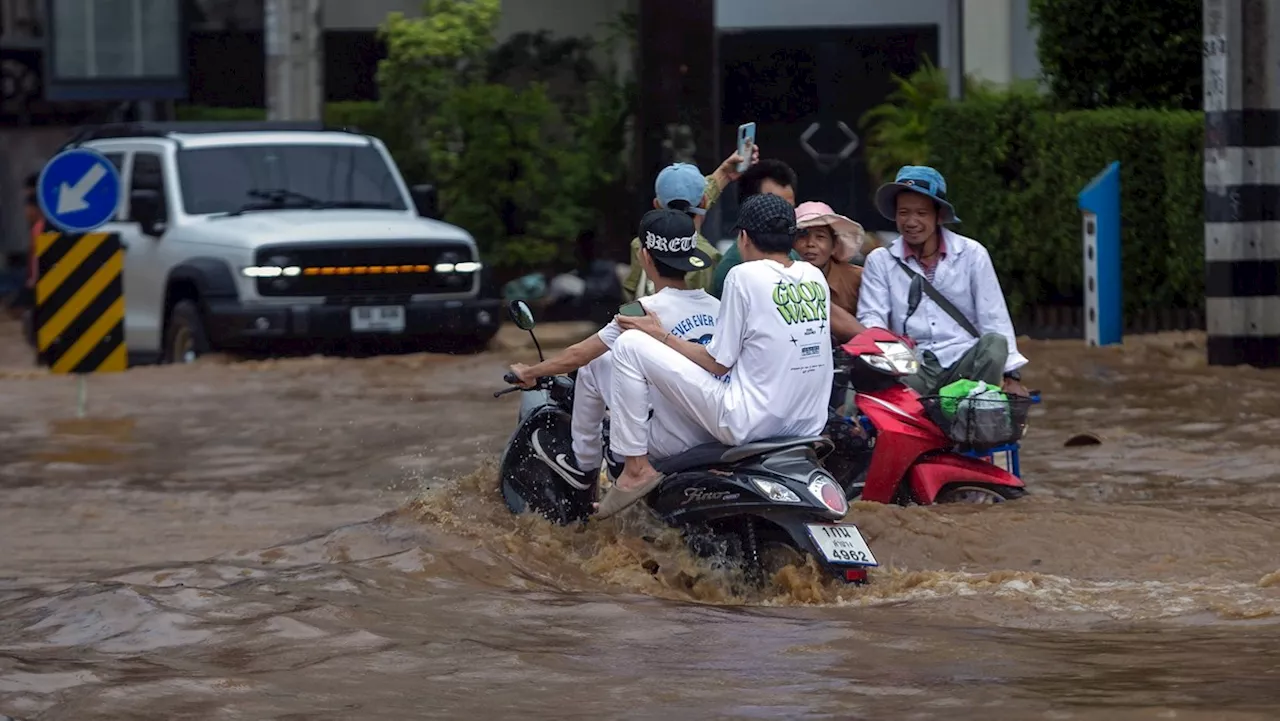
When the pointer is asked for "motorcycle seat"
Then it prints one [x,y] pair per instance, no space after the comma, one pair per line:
[711,454]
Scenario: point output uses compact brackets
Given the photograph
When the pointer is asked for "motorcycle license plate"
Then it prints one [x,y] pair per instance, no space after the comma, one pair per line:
[841,543]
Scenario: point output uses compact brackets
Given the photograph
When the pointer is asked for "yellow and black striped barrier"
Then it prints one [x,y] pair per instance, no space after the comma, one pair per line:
[79,316]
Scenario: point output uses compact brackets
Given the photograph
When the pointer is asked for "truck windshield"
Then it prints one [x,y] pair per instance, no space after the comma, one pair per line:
[233,179]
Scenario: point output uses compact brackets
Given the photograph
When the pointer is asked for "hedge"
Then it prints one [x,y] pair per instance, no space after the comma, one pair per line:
[1014,170]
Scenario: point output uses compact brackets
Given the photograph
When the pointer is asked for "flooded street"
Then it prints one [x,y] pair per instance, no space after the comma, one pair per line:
[323,538]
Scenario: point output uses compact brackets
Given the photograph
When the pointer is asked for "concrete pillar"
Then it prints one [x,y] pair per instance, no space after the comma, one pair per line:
[294,31]
[1242,181]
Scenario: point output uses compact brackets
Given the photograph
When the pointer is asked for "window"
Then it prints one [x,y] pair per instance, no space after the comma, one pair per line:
[148,174]
[223,180]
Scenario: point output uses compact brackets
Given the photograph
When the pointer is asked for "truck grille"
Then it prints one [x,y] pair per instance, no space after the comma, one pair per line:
[340,272]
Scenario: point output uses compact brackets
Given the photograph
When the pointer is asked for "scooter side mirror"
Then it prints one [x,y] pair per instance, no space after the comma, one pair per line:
[521,314]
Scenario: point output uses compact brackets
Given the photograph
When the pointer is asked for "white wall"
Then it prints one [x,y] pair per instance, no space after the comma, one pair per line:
[999,44]
[987,36]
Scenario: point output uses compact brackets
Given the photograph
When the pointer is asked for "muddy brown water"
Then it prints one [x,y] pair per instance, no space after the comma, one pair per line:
[323,539]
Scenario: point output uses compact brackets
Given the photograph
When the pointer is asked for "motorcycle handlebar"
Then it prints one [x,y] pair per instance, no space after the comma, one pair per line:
[510,378]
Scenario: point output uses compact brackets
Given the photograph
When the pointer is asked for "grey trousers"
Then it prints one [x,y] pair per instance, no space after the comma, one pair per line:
[985,361]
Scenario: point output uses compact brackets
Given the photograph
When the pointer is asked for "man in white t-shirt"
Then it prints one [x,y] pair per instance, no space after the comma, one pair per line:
[668,252]
[773,333]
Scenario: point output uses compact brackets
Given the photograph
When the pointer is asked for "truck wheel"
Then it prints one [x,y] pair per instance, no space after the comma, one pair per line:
[185,337]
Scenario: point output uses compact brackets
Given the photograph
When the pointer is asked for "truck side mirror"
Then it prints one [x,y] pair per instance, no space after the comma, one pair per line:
[147,210]
[426,200]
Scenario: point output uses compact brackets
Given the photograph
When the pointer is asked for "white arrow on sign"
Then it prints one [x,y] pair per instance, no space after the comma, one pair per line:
[71,197]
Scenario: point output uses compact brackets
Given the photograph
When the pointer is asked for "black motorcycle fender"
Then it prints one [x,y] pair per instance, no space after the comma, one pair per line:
[701,496]
[533,415]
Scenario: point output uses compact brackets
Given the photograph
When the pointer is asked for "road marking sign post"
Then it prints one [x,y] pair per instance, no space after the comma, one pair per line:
[79,315]
[1103,300]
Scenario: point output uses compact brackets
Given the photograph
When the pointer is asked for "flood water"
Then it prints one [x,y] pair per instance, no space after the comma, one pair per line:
[323,539]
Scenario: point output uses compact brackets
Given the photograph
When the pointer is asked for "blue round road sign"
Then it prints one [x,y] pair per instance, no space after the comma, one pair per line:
[79,190]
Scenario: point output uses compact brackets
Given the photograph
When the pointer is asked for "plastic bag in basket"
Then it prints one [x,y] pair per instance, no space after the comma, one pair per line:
[985,417]
[950,395]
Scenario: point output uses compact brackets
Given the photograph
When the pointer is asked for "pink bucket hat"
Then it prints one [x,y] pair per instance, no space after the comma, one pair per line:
[849,234]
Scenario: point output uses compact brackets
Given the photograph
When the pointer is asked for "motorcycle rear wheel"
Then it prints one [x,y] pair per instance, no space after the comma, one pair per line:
[980,494]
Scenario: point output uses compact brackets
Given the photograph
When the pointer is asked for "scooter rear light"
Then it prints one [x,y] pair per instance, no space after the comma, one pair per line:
[855,575]
[829,494]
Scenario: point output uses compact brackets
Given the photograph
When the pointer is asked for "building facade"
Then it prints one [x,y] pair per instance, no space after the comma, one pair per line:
[804,70]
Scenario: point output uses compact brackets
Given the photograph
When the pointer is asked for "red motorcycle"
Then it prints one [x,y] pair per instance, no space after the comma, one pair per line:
[901,447]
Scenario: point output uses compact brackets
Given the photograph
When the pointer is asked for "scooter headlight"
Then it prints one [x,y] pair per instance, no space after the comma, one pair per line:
[828,492]
[896,358]
[776,491]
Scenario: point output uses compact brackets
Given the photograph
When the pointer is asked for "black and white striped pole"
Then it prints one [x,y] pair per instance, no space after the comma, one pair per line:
[1242,181]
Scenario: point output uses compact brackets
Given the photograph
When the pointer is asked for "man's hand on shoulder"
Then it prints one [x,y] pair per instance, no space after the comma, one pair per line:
[649,323]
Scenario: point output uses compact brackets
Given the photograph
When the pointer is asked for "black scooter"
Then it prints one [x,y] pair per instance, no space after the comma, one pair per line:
[762,505]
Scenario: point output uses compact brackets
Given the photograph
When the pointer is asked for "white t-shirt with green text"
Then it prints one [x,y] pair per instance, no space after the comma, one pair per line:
[774,333]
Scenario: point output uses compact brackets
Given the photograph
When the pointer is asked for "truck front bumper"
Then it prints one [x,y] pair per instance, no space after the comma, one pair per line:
[232,323]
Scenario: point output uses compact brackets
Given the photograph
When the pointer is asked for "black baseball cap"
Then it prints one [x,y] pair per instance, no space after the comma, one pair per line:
[765,215]
[672,240]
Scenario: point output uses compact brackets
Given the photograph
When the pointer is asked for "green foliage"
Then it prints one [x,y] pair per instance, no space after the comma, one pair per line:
[520,138]
[897,131]
[1014,170]
[1121,53]
[503,174]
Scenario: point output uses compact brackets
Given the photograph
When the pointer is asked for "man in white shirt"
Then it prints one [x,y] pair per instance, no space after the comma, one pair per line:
[773,334]
[668,252]
[959,320]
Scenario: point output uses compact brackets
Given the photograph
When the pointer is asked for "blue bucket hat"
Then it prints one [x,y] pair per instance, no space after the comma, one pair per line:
[681,181]
[918,179]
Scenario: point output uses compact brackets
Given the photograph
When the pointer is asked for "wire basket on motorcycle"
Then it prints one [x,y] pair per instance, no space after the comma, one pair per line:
[979,421]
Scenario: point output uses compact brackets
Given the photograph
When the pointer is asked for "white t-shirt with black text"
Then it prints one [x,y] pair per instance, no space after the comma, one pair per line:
[774,333]
[687,314]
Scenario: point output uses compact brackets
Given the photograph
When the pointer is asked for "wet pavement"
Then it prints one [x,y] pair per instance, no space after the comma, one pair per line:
[322,538]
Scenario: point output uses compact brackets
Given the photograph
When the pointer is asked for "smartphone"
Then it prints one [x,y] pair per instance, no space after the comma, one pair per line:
[746,139]
[632,309]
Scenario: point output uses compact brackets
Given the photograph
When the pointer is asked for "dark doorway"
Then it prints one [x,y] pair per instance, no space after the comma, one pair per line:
[788,80]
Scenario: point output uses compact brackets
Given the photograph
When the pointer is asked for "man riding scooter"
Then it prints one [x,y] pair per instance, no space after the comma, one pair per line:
[961,325]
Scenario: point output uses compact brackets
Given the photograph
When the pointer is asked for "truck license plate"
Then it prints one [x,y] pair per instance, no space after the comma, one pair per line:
[377,319]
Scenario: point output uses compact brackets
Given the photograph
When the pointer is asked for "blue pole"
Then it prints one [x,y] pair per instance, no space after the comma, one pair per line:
[1103,301]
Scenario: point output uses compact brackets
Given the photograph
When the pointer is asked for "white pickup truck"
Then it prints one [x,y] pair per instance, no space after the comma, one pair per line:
[244,235]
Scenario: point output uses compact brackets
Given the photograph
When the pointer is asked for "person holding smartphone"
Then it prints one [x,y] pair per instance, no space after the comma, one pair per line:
[670,250]
[681,186]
